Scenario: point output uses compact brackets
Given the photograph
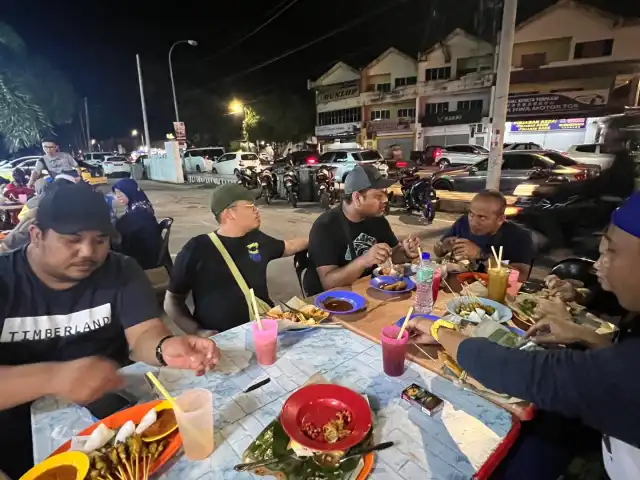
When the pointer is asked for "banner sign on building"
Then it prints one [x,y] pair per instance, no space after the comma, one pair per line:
[388,126]
[452,118]
[540,104]
[548,125]
[337,92]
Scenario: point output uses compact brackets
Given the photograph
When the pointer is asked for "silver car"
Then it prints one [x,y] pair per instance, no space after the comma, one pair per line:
[343,160]
[455,155]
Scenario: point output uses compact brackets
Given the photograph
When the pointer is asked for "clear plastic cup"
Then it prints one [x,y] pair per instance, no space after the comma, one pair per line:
[195,422]
[22,198]
[394,351]
[265,341]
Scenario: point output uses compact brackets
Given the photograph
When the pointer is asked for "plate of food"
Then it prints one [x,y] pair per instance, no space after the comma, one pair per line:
[475,309]
[340,302]
[128,445]
[401,270]
[390,284]
[326,417]
[297,316]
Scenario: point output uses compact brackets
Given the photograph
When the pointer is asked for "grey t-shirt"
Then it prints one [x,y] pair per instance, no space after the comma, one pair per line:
[57,164]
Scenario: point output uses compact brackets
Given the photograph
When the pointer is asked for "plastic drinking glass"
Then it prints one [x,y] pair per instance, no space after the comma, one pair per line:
[22,198]
[437,275]
[394,351]
[195,422]
[265,341]
[497,281]
[514,278]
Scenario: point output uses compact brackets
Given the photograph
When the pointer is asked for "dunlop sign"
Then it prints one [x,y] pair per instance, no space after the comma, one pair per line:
[338,92]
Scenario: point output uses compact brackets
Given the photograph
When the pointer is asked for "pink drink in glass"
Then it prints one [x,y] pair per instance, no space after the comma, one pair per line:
[265,341]
[437,275]
[394,351]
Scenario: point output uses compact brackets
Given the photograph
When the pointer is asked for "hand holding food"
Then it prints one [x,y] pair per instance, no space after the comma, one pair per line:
[555,330]
[466,249]
[566,290]
[553,307]
[85,380]
[377,255]
[190,352]
[411,246]
[420,331]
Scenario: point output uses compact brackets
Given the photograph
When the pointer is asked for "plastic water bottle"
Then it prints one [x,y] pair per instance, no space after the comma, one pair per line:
[424,285]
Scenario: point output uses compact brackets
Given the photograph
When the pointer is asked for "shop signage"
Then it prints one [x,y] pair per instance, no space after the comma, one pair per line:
[181,133]
[337,92]
[548,125]
[388,125]
[557,103]
[342,129]
[452,118]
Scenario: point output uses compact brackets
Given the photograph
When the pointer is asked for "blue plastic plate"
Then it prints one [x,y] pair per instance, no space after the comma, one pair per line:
[421,315]
[377,282]
[357,301]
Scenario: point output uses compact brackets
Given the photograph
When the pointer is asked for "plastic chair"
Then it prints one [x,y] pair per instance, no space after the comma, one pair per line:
[165,232]
[301,264]
[576,268]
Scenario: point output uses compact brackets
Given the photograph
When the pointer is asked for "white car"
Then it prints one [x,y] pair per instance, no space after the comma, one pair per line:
[344,160]
[25,163]
[454,155]
[95,159]
[591,153]
[201,159]
[230,163]
[116,165]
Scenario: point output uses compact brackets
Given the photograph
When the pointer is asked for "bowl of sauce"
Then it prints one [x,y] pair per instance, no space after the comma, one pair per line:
[340,302]
[64,466]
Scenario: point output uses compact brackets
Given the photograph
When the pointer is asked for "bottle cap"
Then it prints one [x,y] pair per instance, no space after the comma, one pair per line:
[425,256]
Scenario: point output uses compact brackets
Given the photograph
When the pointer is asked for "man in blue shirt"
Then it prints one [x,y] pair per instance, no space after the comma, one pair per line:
[472,236]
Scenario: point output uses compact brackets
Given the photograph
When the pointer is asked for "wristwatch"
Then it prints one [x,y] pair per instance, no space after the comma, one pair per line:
[438,324]
[159,355]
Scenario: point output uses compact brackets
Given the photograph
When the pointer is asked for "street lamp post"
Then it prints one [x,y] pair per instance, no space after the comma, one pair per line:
[135,133]
[193,43]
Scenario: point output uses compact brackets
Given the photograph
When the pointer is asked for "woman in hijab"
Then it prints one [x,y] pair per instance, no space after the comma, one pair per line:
[138,226]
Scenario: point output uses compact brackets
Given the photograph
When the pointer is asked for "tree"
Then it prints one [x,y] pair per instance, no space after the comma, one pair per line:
[33,95]
[285,117]
[249,123]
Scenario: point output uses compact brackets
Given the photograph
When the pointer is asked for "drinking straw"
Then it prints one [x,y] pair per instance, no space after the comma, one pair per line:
[163,391]
[500,258]
[495,255]
[256,312]
[404,324]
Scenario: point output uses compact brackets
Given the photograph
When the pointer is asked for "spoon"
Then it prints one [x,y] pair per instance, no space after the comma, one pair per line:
[243,467]
[333,460]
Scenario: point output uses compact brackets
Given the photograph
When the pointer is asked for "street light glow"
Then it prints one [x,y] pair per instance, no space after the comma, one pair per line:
[236,107]
[93,141]
[134,133]
[193,43]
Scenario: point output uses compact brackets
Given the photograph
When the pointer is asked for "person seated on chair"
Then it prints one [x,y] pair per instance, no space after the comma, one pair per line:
[472,236]
[349,240]
[219,268]
[138,228]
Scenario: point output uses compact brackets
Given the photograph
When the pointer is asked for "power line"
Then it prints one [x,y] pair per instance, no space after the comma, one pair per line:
[312,42]
[252,33]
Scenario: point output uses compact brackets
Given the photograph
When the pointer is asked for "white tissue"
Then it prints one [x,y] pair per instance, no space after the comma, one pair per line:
[148,420]
[125,432]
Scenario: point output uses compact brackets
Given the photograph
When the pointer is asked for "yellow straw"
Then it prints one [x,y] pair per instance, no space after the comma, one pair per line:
[404,324]
[256,312]
[163,391]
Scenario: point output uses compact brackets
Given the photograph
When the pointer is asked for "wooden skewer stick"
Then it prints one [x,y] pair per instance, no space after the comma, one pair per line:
[449,287]
[423,351]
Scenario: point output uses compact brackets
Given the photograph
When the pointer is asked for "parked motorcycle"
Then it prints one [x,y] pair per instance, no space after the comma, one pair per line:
[248,178]
[268,185]
[418,193]
[325,186]
[291,184]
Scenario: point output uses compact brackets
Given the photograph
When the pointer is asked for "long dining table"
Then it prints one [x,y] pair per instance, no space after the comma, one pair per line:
[467,439]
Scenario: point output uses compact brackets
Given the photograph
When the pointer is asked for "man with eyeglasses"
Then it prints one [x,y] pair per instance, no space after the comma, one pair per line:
[202,269]
[54,162]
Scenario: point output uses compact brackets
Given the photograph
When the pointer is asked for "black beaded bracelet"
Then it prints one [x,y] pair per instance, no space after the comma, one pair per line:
[159,355]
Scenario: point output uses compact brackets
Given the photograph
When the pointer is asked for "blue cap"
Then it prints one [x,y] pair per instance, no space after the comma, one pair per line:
[425,256]
[627,217]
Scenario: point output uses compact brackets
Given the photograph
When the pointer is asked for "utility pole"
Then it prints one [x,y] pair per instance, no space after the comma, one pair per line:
[86,114]
[501,97]
[144,108]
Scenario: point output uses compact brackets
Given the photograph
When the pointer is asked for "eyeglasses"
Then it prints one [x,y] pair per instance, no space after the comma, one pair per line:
[252,206]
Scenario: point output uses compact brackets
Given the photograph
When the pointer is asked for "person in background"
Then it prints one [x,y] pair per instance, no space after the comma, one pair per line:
[71,312]
[18,186]
[206,268]
[139,231]
[472,236]
[593,386]
[348,241]
[53,161]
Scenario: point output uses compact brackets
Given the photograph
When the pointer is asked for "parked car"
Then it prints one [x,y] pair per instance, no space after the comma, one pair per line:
[96,158]
[521,146]
[116,165]
[518,167]
[428,156]
[230,163]
[344,161]
[208,155]
[26,163]
[591,153]
[454,155]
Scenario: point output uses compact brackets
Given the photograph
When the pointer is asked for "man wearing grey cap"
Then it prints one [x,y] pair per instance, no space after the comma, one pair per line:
[219,268]
[348,241]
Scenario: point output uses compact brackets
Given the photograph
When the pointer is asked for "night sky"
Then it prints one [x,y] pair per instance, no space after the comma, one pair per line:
[94,43]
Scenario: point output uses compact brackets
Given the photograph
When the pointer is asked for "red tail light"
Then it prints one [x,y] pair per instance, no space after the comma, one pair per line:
[312,161]
[437,152]
[401,164]
[580,176]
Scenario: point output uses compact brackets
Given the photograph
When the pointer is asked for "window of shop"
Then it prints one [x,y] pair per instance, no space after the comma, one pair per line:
[407,113]
[442,73]
[435,108]
[470,105]
[345,115]
[597,48]
[383,87]
[380,114]
[402,81]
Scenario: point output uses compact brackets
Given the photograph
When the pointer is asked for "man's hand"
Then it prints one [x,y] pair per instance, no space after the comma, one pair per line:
[191,352]
[557,331]
[441,248]
[377,255]
[85,380]
[554,307]
[466,249]
[420,331]
[411,246]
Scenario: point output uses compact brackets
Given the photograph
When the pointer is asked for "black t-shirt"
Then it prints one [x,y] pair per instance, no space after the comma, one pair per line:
[200,268]
[329,241]
[517,242]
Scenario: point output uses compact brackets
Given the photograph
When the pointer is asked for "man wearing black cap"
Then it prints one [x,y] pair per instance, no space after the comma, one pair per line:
[219,268]
[71,312]
[348,241]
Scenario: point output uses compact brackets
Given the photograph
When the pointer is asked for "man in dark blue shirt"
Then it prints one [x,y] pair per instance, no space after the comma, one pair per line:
[472,236]
[596,385]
